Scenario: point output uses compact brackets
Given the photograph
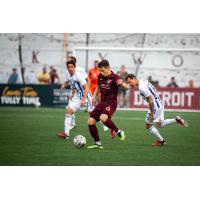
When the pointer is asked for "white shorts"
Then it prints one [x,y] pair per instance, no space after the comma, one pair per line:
[75,103]
[159,115]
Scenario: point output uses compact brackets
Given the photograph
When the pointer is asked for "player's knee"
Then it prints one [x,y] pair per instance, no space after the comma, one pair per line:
[159,124]
[91,121]
[69,111]
[103,117]
[148,126]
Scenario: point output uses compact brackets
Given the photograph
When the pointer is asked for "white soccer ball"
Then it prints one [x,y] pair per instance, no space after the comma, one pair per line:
[79,141]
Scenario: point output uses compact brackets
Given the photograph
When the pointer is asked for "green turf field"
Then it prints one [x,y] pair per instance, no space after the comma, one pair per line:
[28,137]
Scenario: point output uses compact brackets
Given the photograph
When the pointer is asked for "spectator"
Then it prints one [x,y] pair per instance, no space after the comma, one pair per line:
[172,83]
[93,77]
[54,78]
[30,77]
[154,83]
[44,77]
[51,71]
[150,79]
[191,84]
[13,77]
[122,91]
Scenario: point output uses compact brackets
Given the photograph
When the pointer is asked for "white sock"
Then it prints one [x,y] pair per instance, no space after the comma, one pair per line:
[98,143]
[155,132]
[67,123]
[105,128]
[167,122]
[73,123]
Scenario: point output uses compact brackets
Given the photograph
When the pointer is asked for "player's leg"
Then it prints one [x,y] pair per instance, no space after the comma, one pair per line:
[106,119]
[177,120]
[67,124]
[94,117]
[72,107]
[94,133]
[73,121]
[90,108]
[105,128]
[152,129]
[68,120]
[164,123]
[73,97]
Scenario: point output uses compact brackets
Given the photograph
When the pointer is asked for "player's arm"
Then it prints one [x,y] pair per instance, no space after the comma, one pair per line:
[81,79]
[86,89]
[95,95]
[121,83]
[63,85]
[151,106]
[96,92]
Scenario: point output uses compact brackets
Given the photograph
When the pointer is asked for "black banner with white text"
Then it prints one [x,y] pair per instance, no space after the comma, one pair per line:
[33,95]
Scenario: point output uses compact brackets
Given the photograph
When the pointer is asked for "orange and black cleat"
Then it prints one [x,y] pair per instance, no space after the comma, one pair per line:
[159,143]
[63,135]
[181,121]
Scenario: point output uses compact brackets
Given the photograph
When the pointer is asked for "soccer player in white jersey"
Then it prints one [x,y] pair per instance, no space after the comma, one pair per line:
[155,112]
[84,73]
[81,96]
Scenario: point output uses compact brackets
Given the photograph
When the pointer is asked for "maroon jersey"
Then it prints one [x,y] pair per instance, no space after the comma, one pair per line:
[108,88]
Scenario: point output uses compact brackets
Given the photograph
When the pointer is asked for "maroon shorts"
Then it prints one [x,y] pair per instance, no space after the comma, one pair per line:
[103,108]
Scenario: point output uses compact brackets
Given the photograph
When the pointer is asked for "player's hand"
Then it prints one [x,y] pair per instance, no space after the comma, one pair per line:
[94,101]
[83,102]
[62,86]
[152,117]
[120,82]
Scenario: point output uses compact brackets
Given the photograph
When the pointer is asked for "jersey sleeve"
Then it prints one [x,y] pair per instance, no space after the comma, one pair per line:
[145,91]
[81,78]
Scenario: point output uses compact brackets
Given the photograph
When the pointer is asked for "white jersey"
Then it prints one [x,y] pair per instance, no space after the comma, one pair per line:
[76,82]
[147,89]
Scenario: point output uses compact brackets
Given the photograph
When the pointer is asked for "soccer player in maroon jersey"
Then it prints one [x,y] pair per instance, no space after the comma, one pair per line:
[108,85]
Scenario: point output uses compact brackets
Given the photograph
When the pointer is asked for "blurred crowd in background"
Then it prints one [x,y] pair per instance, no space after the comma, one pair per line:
[49,75]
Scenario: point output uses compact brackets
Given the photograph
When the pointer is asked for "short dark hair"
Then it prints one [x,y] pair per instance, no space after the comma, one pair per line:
[71,62]
[131,76]
[104,63]
[73,58]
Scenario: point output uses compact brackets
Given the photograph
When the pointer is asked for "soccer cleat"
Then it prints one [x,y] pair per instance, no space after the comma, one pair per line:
[159,143]
[63,135]
[95,146]
[113,133]
[181,121]
[121,135]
